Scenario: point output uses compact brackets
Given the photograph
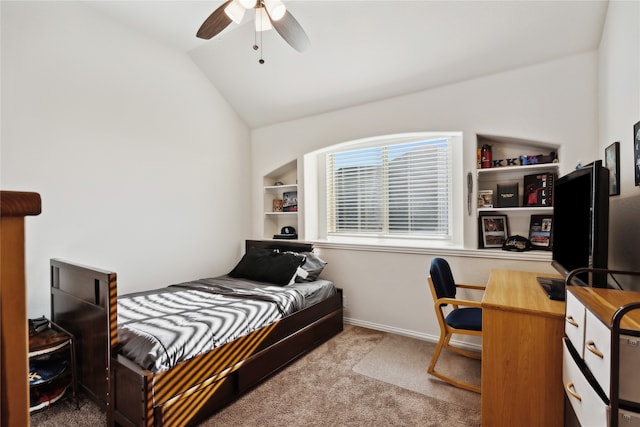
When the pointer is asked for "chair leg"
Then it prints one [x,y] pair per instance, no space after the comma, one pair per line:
[434,359]
[444,342]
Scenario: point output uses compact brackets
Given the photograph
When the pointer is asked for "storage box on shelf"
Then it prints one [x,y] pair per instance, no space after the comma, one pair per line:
[281,200]
[513,159]
[52,364]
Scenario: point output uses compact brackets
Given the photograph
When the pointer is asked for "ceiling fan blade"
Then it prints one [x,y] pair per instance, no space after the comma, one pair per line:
[215,23]
[291,31]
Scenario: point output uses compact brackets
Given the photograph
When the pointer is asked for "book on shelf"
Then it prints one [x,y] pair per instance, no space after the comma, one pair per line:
[507,195]
[290,201]
[538,189]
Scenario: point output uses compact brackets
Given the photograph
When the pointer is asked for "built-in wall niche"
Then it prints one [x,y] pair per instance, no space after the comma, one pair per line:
[509,169]
[280,186]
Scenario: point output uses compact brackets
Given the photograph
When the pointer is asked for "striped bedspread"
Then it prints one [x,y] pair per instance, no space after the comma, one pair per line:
[158,329]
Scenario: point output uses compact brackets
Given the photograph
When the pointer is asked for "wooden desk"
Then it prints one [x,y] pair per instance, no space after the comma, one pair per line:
[522,332]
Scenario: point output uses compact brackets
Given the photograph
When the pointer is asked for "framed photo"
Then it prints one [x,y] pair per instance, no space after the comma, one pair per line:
[485,198]
[636,152]
[290,201]
[540,231]
[612,162]
[493,230]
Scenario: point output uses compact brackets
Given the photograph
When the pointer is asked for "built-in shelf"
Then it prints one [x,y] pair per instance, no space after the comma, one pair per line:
[511,149]
[281,213]
[281,188]
[273,222]
[519,169]
[520,209]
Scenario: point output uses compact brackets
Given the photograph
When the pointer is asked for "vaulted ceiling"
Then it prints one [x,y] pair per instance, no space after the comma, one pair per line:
[363,51]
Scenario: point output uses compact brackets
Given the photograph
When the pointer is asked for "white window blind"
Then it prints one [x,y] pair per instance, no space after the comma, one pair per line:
[396,190]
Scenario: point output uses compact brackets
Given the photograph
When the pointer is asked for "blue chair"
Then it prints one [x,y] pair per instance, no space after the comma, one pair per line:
[463,317]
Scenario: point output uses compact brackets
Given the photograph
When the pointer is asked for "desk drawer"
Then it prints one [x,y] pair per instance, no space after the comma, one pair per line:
[589,408]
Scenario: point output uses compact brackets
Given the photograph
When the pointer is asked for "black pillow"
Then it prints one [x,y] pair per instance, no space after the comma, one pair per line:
[267,265]
[313,265]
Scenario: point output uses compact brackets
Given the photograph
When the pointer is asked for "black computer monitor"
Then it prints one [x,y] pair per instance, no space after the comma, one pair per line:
[581,222]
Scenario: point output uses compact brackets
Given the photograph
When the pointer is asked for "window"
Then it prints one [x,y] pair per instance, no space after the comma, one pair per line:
[393,187]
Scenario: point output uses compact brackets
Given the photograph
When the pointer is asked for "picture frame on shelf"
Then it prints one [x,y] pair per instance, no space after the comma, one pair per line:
[290,201]
[636,152]
[485,198]
[540,234]
[612,162]
[493,230]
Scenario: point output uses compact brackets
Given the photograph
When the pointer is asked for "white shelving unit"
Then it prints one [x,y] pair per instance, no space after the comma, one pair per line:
[488,178]
[274,221]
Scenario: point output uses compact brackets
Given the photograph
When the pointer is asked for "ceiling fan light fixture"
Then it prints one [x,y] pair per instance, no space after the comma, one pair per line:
[262,20]
[248,4]
[235,11]
[275,8]
[266,13]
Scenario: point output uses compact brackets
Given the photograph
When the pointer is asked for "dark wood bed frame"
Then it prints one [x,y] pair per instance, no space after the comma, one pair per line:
[84,301]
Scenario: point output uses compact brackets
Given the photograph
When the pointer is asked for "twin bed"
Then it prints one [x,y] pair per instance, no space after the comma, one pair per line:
[175,355]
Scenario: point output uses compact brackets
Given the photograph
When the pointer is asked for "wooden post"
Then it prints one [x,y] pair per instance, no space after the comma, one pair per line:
[14,347]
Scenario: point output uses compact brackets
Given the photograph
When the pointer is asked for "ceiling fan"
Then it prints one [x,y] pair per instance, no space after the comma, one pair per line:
[268,14]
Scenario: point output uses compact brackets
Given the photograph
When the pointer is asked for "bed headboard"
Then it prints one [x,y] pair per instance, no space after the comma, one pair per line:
[283,245]
[84,302]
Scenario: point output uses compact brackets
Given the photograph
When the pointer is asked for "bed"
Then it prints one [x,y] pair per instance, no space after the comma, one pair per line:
[181,387]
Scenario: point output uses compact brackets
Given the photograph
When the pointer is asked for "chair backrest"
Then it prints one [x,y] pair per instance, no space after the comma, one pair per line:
[442,278]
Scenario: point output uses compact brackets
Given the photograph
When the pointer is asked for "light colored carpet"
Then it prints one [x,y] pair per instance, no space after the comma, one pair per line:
[403,362]
[320,389]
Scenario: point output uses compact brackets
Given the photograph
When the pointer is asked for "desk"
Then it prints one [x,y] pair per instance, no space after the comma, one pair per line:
[522,332]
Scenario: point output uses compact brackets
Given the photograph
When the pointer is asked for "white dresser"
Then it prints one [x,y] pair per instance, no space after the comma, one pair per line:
[601,357]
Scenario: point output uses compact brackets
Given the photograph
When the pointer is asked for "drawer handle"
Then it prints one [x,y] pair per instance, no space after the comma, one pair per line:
[591,346]
[571,321]
[571,390]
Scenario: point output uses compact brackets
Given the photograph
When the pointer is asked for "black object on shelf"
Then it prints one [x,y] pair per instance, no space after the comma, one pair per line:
[507,195]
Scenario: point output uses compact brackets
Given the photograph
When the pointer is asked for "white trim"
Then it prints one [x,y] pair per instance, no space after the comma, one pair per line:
[440,251]
[409,333]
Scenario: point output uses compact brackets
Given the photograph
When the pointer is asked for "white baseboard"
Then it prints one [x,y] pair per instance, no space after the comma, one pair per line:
[409,333]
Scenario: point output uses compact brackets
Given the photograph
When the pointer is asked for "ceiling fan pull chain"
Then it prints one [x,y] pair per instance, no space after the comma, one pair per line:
[255,35]
[255,40]
[261,61]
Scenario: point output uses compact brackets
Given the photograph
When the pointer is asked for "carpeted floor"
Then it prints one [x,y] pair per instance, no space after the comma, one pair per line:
[323,389]
[402,361]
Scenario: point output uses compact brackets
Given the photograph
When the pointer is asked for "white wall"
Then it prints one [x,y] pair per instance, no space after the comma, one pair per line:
[553,102]
[138,159]
[619,103]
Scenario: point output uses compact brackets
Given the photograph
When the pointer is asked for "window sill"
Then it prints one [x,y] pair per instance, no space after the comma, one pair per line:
[433,249]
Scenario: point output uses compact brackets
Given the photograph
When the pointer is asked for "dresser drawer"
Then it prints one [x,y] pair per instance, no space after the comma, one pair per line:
[589,408]
[629,369]
[574,322]
[628,418]
[597,350]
